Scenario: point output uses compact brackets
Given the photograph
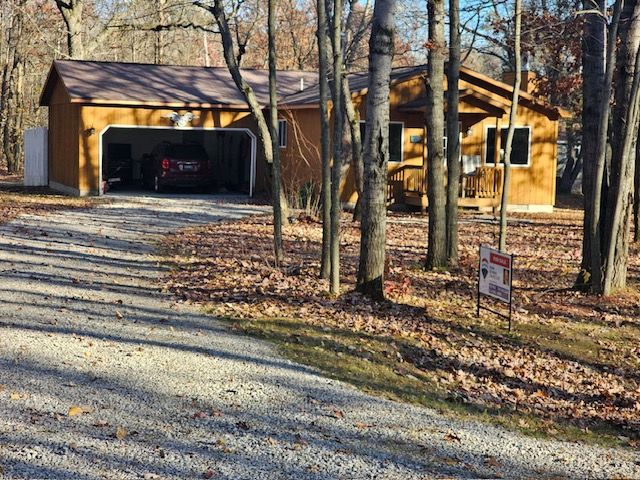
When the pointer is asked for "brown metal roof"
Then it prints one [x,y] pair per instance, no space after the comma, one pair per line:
[165,85]
[358,83]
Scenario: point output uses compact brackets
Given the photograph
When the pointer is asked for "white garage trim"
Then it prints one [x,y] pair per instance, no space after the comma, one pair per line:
[252,174]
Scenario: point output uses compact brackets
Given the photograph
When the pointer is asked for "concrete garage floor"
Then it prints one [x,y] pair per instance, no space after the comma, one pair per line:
[102,375]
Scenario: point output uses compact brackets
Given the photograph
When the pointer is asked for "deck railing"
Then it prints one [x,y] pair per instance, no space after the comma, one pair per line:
[406,179]
[484,182]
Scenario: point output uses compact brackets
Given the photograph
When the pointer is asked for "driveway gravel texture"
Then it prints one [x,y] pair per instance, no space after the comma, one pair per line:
[104,376]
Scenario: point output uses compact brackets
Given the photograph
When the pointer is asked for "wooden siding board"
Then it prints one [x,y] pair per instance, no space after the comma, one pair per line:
[63,145]
[301,163]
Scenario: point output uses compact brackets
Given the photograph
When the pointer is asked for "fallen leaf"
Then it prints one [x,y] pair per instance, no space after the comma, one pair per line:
[451,437]
[121,433]
[208,474]
[75,410]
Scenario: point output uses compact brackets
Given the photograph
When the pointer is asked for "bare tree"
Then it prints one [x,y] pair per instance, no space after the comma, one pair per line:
[357,162]
[325,132]
[356,25]
[437,238]
[71,11]
[264,133]
[598,178]
[624,127]
[376,152]
[273,112]
[336,169]
[160,32]
[593,63]
[513,115]
[12,88]
[453,132]
[79,43]
[636,196]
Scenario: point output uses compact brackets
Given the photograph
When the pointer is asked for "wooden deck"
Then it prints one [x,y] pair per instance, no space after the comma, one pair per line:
[481,189]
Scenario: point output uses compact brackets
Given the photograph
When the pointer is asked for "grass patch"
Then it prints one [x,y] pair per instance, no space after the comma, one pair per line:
[374,365]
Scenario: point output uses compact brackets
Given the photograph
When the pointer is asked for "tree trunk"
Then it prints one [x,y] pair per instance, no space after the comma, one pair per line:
[636,196]
[570,174]
[573,166]
[356,145]
[264,133]
[12,92]
[71,12]
[325,132]
[623,137]
[593,64]
[597,206]
[513,115]
[376,152]
[160,33]
[437,238]
[273,112]
[453,133]
[336,169]
[14,125]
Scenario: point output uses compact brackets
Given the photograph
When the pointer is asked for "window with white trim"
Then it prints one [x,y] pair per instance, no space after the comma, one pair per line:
[520,151]
[396,139]
[282,133]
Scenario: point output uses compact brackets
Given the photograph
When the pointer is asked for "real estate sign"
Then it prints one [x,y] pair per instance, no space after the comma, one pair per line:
[494,278]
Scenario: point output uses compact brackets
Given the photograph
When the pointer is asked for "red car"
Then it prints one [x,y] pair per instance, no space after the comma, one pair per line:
[177,165]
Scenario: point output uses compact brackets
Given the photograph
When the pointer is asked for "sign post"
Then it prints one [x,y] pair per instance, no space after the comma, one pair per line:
[495,278]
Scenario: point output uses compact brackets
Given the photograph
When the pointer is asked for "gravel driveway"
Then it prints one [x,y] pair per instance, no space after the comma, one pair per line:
[104,376]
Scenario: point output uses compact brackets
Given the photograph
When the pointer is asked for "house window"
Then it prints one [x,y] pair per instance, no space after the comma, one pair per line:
[445,142]
[519,149]
[396,139]
[282,133]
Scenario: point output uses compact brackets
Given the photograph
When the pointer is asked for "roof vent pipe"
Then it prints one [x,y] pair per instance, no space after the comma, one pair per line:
[301,83]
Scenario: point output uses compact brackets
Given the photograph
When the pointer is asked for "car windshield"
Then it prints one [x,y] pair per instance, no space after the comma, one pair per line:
[186,152]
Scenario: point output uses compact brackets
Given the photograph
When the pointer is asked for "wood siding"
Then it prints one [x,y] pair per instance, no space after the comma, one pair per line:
[64,132]
[300,159]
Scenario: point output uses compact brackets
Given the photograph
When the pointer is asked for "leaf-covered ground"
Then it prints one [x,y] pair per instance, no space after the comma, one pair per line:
[569,368]
[16,201]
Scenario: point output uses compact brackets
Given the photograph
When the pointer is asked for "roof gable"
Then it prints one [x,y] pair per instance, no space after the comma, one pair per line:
[163,85]
[485,86]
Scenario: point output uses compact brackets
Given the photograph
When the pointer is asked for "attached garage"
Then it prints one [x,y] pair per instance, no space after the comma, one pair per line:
[231,151]
[101,112]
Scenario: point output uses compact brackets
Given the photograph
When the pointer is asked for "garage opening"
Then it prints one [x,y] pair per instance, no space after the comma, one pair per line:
[217,160]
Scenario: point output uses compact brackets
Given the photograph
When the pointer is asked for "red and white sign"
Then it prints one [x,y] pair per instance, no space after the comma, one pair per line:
[494,277]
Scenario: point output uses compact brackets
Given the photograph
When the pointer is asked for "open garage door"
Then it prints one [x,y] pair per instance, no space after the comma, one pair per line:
[137,156]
